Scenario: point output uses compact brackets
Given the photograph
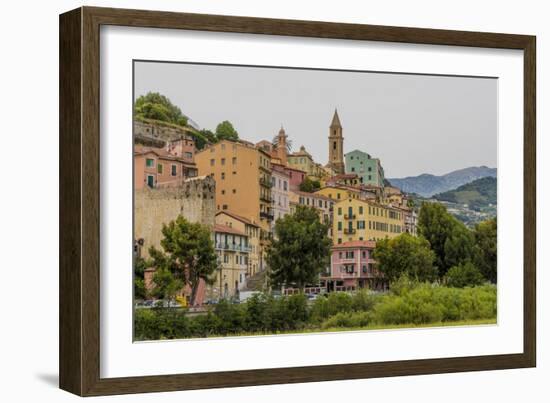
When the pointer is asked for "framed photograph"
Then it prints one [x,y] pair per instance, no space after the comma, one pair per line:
[248,201]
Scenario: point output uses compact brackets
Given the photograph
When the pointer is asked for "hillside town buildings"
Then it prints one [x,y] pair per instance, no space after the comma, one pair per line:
[240,189]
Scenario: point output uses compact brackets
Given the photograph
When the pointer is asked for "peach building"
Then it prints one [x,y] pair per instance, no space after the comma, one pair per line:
[156,166]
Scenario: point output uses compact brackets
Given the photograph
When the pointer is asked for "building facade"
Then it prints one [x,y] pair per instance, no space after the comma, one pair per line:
[336,146]
[338,192]
[321,203]
[156,166]
[233,250]
[368,168]
[360,220]
[352,267]
[252,232]
[280,192]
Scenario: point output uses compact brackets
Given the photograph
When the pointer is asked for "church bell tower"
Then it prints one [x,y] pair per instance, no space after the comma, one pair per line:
[336,146]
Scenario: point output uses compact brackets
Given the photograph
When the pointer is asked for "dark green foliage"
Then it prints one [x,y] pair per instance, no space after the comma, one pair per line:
[405,254]
[300,250]
[139,284]
[226,131]
[188,254]
[310,185]
[464,275]
[411,303]
[166,283]
[451,241]
[485,250]
[204,137]
[157,107]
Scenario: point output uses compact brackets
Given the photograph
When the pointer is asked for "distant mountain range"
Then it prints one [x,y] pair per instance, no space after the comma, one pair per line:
[476,195]
[427,185]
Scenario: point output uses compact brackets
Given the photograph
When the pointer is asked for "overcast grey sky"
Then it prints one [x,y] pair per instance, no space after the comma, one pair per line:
[415,124]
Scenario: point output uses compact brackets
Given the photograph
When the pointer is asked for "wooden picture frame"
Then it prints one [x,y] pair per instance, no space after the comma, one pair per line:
[80,187]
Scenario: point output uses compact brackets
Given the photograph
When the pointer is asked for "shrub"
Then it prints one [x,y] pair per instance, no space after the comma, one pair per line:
[464,275]
[345,319]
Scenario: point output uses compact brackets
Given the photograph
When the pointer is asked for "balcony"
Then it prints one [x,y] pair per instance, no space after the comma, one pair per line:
[233,247]
[349,217]
[266,199]
[267,216]
[349,231]
[266,183]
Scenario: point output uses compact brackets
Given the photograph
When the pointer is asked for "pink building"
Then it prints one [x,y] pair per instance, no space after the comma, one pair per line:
[352,267]
[295,176]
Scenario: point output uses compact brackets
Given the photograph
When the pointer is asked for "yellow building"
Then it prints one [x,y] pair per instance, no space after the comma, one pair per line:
[251,231]
[360,220]
[303,161]
[233,249]
[337,193]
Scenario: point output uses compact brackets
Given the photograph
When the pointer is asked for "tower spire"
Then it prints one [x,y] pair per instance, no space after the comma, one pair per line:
[335,119]
[336,145]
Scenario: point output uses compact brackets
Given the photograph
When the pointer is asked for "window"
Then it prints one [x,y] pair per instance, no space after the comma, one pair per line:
[234,160]
[352,169]
[360,209]
[149,162]
[338,195]
[285,185]
[334,143]
[224,207]
[223,175]
[159,168]
[212,162]
[234,191]
[174,170]
[339,240]
[370,169]
[360,224]
[370,177]
[151,181]
[188,155]
[223,192]
[339,225]
[223,160]
[223,146]
[234,172]
[364,253]
[339,210]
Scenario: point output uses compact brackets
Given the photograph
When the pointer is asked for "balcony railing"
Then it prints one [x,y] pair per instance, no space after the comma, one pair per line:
[233,247]
[267,216]
[266,183]
[349,231]
[349,217]
[266,199]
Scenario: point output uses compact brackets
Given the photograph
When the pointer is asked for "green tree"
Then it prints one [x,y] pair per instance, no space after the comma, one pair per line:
[204,137]
[485,250]
[226,131]
[405,255]
[139,282]
[464,275]
[451,241]
[166,285]
[300,250]
[310,185]
[188,253]
[158,107]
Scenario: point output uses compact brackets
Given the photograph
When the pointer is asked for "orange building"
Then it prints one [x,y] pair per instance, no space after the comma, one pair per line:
[243,182]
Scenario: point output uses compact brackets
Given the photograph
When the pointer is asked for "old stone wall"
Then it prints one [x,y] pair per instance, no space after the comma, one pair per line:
[193,198]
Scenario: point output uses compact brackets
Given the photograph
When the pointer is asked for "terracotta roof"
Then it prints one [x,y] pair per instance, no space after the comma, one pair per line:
[355,244]
[227,230]
[344,176]
[237,217]
[160,153]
